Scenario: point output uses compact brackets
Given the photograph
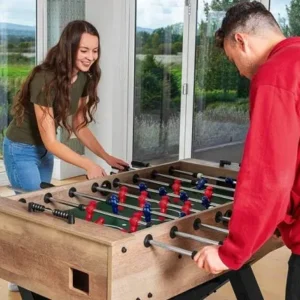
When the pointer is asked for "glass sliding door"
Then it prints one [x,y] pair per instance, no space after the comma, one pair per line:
[158,72]
[286,12]
[220,116]
[17,56]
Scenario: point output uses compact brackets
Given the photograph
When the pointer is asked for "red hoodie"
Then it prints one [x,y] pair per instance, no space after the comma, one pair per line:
[268,186]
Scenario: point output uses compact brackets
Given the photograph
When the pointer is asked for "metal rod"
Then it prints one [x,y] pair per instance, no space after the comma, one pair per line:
[153,181]
[192,199]
[196,238]
[171,248]
[192,181]
[201,175]
[203,192]
[222,196]
[184,189]
[177,196]
[127,184]
[220,187]
[182,172]
[172,177]
[225,180]
[215,228]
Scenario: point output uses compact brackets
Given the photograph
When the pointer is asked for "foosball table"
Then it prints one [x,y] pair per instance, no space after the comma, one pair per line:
[127,236]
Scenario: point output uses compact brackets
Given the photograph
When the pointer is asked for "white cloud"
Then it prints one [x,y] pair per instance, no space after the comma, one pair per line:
[18,12]
[150,13]
[159,13]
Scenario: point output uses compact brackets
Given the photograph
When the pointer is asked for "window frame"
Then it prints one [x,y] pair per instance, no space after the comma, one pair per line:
[41,30]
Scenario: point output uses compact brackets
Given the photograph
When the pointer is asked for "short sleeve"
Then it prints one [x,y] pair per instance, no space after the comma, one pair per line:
[85,88]
[37,90]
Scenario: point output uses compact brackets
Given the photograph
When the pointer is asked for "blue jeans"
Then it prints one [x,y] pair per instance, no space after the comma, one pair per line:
[27,165]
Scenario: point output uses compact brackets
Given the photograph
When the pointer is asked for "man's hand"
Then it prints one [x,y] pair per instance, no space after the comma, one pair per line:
[208,259]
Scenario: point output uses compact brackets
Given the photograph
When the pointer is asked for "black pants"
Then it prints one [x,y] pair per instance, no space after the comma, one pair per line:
[293,279]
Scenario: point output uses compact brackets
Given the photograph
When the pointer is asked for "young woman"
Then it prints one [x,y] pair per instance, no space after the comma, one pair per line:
[62,91]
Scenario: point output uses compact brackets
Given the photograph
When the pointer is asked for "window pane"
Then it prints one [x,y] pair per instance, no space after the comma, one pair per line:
[220,120]
[158,64]
[17,53]
[59,13]
[286,12]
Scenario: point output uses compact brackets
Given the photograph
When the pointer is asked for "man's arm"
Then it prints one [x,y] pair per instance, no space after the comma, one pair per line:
[266,176]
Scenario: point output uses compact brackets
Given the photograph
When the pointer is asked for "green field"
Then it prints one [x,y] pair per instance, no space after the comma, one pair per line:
[11,79]
[15,71]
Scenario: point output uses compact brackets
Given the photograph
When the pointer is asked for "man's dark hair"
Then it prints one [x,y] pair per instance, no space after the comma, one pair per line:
[246,17]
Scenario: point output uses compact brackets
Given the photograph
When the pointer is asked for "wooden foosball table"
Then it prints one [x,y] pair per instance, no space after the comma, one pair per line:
[128,236]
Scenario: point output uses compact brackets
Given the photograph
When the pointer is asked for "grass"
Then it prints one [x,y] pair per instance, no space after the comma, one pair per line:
[15,71]
[11,78]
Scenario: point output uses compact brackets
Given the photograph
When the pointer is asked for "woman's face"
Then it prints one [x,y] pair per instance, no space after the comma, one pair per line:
[87,52]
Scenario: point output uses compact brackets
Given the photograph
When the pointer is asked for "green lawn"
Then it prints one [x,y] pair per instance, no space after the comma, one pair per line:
[15,71]
[11,78]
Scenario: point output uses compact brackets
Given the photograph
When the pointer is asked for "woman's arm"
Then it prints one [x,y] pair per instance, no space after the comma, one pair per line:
[46,125]
[88,139]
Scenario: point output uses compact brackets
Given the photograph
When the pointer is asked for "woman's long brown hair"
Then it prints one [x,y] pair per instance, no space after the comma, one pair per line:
[60,61]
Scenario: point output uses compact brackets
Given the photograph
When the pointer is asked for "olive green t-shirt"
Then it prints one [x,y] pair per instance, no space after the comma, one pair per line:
[28,131]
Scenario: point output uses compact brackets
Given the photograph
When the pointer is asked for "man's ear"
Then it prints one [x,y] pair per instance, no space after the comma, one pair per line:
[240,41]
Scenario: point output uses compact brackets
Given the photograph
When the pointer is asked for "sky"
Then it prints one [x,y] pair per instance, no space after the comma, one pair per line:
[160,13]
[21,12]
[150,13]
[279,7]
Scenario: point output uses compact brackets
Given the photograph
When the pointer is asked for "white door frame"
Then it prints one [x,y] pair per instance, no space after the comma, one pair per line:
[266,3]
[41,30]
[131,5]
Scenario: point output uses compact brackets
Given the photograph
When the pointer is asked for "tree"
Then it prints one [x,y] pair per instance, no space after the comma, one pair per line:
[216,78]
[293,12]
[24,46]
[176,47]
[152,81]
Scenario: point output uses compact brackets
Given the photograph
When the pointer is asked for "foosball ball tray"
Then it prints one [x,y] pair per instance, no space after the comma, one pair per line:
[128,236]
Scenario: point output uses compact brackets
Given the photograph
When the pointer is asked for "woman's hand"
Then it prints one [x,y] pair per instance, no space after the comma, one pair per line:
[95,171]
[116,162]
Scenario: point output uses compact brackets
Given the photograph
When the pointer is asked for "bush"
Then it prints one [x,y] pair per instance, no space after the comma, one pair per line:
[12,59]
[213,127]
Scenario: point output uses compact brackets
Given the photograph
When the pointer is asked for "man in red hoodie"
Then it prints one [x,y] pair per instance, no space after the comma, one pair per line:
[268,187]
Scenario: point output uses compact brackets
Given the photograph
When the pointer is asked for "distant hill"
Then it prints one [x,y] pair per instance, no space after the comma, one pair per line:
[17,30]
[175,29]
[141,29]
